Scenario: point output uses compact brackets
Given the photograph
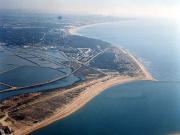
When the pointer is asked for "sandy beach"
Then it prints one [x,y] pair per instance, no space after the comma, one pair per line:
[80,101]
[92,89]
[74,30]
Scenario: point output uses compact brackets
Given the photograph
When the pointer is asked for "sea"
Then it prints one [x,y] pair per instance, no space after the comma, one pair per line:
[137,108]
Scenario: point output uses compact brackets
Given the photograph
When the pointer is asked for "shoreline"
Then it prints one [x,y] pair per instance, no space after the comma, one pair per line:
[74,31]
[81,101]
[147,74]
[90,92]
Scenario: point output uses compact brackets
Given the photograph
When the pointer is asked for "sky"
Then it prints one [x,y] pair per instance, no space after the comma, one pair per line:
[152,8]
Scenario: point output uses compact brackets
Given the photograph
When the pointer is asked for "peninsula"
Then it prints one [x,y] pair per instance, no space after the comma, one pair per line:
[97,64]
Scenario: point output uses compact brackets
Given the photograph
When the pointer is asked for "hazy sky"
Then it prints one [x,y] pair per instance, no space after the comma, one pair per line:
[104,7]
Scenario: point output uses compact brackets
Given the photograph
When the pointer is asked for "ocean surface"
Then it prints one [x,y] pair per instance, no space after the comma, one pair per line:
[138,108]
[154,42]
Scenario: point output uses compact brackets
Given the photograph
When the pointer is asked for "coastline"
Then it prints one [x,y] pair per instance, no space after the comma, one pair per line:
[80,101]
[74,31]
[90,92]
[141,66]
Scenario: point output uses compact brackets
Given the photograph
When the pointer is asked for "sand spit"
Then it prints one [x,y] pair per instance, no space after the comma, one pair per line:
[88,94]
[80,101]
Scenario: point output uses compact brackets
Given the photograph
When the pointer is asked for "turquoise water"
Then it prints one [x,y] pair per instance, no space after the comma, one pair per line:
[138,108]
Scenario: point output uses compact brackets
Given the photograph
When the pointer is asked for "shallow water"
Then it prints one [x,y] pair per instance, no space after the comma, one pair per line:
[58,84]
[29,75]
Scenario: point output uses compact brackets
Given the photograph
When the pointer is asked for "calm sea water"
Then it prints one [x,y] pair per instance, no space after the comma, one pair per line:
[138,108]
[155,42]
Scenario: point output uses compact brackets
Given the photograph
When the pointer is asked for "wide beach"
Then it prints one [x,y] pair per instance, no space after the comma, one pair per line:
[92,89]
